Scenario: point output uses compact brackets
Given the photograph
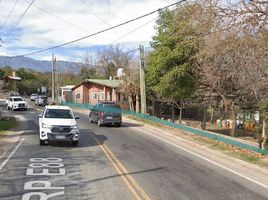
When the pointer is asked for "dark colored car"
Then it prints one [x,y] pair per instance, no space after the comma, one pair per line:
[106,113]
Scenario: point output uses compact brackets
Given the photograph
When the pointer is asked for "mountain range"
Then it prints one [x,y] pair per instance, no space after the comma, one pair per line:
[39,65]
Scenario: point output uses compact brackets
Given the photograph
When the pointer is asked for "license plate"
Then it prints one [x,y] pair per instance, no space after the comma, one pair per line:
[60,137]
[109,117]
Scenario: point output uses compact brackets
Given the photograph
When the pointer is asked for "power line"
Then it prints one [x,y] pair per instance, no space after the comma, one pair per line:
[125,53]
[58,17]
[10,13]
[97,16]
[105,30]
[129,33]
[19,20]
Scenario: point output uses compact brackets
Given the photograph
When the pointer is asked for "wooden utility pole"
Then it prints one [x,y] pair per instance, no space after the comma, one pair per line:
[53,79]
[142,80]
[57,83]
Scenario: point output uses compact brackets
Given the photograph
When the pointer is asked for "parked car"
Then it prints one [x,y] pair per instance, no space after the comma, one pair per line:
[16,103]
[33,97]
[106,113]
[58,123]
[41,100]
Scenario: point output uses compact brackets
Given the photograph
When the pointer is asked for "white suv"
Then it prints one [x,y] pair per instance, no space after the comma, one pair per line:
[58,123]
[16,103]
[33,97]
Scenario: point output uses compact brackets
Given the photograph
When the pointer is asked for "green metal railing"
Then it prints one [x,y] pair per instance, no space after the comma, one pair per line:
[174,125]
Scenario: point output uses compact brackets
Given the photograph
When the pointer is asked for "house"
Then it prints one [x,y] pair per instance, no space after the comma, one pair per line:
[66,92]
[93,91]
[10,82]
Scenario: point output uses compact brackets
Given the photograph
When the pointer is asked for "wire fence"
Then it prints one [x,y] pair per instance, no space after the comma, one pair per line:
[182,127]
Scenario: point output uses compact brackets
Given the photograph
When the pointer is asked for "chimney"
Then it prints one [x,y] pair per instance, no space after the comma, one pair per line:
[13,73]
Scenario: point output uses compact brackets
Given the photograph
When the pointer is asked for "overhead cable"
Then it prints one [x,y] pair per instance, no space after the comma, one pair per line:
[104,30]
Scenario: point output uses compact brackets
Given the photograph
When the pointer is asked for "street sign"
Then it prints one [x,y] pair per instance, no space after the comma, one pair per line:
[44,89]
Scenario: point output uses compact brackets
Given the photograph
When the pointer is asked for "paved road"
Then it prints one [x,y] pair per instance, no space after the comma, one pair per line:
[114,163]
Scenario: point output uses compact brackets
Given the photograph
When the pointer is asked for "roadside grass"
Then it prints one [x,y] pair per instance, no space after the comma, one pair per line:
[7,124]
[242,154]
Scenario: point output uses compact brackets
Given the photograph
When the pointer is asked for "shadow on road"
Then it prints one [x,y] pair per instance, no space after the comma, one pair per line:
[130,173]
[128,124]
[87,139]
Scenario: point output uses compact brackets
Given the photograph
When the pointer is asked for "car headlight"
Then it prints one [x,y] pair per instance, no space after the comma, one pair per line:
[75,127]
[45,125]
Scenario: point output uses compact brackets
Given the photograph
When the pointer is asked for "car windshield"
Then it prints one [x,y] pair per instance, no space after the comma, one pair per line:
[59,113]
[18,99]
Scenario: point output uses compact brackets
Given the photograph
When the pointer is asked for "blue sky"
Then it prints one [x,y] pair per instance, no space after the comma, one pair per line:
[68,20]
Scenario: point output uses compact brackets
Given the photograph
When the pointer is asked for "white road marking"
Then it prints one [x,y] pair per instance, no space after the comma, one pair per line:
[10,155]
[171,135]
[166,133]
[179,138]
[208,160]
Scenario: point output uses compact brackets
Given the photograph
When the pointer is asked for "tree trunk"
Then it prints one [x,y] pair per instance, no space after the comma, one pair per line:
[204,120]
[153,108]
[130,102]
[263,136]
[211,115]
[173,113]
[244,118]
[180,117]
[137,104]
[233,131]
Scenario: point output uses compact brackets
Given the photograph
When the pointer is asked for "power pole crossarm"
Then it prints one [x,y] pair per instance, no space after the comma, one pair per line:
[142,80]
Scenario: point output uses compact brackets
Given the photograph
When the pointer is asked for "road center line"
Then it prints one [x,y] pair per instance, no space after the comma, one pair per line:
[10,155]
[208,160]
[132,185]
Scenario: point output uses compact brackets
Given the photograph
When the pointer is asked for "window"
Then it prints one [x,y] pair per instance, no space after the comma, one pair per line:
[17,99]
[77,96]
[59,113]
[94,95]
[102,96]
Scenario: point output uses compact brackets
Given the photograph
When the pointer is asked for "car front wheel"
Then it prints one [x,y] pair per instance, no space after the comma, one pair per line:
[118,124]
[75,143]
[42,142]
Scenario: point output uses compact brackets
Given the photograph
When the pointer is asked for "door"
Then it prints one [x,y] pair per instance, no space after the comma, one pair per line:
[94,113]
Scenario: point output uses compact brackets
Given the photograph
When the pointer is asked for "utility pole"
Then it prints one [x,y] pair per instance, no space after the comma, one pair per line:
[56,82]
[142,80]
[53,79]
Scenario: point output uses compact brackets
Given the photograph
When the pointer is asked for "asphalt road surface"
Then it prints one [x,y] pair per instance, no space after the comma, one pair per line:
[116,164]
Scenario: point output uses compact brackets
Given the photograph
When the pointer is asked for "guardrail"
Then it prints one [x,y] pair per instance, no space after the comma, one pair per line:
[178,126]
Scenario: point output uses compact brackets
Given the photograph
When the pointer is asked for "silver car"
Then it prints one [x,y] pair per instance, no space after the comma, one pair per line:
[41,100]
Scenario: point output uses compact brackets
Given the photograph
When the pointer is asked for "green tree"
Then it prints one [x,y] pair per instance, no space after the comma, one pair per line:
[170,66]
[2,73]
[89,73]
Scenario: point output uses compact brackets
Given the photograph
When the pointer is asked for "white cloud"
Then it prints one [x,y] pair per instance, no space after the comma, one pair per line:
[38,29]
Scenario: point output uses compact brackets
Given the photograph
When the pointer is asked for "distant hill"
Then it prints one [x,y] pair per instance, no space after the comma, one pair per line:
[38,65]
